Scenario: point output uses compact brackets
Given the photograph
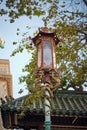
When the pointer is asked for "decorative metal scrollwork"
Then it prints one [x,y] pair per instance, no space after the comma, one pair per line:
[49,82]
[50,79]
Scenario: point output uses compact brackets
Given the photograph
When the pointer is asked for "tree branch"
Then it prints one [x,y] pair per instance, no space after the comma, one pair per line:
[85,2]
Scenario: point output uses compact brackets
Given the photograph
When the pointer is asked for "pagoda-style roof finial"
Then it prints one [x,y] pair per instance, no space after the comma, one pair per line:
[45,29]
[45,23]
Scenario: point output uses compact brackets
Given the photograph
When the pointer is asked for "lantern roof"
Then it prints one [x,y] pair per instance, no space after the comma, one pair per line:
[44,31]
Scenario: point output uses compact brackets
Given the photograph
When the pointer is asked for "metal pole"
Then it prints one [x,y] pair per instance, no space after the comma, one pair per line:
[47,111]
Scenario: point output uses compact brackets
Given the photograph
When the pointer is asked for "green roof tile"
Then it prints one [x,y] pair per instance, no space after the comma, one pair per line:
[63,103]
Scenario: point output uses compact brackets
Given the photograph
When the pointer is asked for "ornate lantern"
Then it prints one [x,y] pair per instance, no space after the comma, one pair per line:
[45,43]
[47,75]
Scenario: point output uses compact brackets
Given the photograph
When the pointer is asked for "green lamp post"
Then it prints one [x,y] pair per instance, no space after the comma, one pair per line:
[46,70]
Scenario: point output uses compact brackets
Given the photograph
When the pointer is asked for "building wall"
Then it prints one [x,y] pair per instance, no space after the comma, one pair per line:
[5,83]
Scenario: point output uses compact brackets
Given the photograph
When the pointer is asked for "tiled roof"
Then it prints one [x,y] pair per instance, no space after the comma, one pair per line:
[63,103]
[70,103]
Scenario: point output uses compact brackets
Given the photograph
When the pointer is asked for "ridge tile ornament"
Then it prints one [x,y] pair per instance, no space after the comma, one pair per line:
[2,42]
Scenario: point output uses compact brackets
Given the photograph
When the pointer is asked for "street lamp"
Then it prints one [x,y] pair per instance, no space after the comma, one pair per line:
[45,43]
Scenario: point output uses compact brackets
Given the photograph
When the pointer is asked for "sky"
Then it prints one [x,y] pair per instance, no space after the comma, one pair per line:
[8,33]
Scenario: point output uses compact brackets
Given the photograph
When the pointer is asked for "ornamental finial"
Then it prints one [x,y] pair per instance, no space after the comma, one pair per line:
[45,27]
[45,23]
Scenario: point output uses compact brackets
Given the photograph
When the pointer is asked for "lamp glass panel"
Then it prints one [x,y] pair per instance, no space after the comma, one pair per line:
[39,55]
[47,54]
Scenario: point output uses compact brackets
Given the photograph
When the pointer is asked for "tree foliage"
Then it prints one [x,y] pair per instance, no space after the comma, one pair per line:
[70,20]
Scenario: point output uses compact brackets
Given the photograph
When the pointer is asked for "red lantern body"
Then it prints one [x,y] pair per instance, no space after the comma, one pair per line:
[45,43]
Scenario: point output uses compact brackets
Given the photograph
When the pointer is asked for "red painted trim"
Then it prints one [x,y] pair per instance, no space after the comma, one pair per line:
[37,56]
[42,47]
[51,41]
